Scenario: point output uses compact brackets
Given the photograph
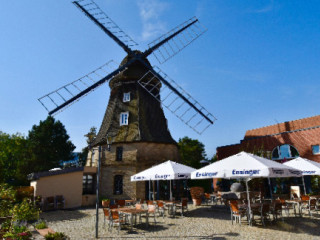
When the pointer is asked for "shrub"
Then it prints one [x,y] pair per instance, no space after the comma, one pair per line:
[56,236]
[41,225]
[25,211]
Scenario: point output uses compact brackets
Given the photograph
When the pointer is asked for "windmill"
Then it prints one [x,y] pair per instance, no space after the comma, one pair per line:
[138,92]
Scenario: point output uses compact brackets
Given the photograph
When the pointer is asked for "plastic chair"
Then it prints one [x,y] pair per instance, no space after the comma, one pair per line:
[236,213]
[59,201]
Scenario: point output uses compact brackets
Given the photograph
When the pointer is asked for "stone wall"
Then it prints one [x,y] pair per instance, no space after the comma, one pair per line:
[137,156]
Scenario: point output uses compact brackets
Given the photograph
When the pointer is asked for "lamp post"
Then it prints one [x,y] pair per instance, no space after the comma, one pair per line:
[98,183]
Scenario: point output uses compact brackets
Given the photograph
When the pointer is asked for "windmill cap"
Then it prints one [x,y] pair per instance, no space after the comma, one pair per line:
[134,72]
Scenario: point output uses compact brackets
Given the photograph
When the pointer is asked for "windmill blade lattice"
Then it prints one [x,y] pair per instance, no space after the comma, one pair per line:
[60,96]
[194,115]
[94,12]
[178,42]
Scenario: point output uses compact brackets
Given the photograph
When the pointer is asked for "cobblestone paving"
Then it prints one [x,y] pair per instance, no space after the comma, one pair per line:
[203,222]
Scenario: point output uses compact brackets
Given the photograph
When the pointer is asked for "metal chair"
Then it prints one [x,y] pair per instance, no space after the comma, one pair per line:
[310,205]
[182,206]
[106,212]
[116,219]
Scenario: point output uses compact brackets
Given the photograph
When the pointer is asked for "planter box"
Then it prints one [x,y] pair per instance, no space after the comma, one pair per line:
[197,201]
[45,231]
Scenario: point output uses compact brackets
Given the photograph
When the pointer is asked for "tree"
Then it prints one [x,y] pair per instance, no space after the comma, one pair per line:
[84,153]
[49,144]
[14,153]
[191,152]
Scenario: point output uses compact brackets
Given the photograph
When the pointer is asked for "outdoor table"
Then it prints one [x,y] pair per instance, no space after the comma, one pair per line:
[132,212]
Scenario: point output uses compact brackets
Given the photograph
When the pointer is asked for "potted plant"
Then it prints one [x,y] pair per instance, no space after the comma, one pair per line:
[196,195]
[105,202]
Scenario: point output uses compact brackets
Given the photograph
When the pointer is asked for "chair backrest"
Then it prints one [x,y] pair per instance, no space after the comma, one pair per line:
[295,195]
[312,202]
[160,204]
[234,206]
[141,201]
[151,208]
[265,207]
[114,215]
[121,203]
[50,199]
[106,212]
[149,202]
[305,198]
[207,195]
[59,198]
[113,206]
[138,206]
[184,202]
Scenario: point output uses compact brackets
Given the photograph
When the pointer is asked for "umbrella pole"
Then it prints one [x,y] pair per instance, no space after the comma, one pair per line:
[304,186]
[149,189]
[153,189]
[270,187]
[170,191]
[249,206]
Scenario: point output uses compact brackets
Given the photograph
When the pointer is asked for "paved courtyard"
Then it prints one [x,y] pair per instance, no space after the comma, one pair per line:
[203,222]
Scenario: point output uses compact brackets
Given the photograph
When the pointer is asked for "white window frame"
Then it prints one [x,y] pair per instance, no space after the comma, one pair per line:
[124,118]
[126,97]
[315,153]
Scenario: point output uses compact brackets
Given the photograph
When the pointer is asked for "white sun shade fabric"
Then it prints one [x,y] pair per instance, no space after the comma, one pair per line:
[245,165]
[307,166]
[168,170]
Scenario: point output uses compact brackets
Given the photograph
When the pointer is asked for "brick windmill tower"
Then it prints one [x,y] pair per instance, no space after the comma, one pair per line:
[134,122]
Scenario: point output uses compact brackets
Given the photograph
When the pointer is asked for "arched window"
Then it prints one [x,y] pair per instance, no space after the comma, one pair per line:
[284,151]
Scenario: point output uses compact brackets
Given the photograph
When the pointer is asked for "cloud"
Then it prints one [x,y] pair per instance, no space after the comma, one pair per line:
[150,13]
[268,8]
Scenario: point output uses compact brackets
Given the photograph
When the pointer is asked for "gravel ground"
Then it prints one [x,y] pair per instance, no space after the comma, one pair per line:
[203,222]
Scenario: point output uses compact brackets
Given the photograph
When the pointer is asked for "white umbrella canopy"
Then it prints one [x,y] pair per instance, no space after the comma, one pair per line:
[245,165]
[168,170]
[307,166]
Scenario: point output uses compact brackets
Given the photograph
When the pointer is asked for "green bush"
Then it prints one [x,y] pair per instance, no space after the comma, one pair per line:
[41,225]
[7,199]
[56,236]
[25,211]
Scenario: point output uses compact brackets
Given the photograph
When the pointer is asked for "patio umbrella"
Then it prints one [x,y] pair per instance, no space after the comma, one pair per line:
[307,167]
[168,170]
[245,166]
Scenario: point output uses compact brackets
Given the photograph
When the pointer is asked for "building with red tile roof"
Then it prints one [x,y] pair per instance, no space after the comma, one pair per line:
[281,141]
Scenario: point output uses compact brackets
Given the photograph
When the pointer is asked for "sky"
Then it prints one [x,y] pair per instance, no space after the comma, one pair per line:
[256,65]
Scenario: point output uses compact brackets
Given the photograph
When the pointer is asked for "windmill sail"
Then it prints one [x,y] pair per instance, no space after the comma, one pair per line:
[177,100]
[188,31]
[57,99]
[94,12]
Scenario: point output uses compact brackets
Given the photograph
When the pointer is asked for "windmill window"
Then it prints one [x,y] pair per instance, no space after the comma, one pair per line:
[126,97]
[118,185]
[119,152]
[284,152]
[315,149]
[124,118]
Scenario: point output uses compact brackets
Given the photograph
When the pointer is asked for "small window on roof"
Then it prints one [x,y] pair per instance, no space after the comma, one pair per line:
[284,151]
[126,97]
[315,149]
[124,118]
